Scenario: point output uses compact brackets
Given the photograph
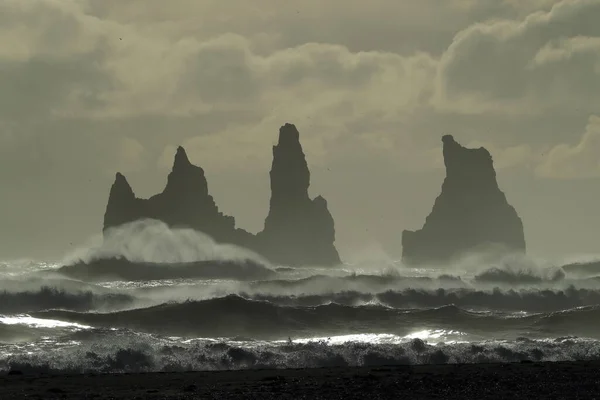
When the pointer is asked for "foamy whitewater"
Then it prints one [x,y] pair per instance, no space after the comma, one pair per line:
[176,312]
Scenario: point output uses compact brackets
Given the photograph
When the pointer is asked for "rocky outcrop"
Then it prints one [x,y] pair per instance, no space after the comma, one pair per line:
[298,230]
[470,214]
[123,206]
[185,202]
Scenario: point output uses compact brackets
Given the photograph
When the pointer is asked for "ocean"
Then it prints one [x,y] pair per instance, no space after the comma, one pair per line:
[88,318]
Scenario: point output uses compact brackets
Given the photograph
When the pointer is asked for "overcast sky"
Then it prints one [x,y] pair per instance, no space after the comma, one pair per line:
[92,87]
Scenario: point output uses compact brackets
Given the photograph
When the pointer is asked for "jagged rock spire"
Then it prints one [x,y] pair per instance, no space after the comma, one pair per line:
[470,214]
[122,205]
[185,202]
[298,230]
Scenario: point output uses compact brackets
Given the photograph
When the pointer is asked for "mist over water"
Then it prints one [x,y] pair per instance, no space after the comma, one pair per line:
[150,298]
[153,241]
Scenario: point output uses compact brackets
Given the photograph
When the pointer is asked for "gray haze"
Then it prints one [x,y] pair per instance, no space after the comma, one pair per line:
[89,87]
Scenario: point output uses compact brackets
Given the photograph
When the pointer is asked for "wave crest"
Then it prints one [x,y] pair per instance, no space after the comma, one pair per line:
[149,354]
[152,241]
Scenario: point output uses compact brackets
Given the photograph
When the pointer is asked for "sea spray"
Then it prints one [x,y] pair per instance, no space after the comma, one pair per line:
[153,241]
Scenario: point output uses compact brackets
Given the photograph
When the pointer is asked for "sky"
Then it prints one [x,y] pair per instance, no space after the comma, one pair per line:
[92,87]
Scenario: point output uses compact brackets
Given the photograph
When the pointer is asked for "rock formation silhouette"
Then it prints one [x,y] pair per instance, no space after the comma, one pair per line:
[185,202]
[470,214]
[298,230]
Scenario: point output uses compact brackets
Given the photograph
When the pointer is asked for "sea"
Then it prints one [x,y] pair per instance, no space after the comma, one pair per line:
[110,311]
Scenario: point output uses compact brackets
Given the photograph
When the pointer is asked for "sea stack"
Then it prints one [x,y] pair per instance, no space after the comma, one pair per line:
[471,213]
[184,203]
[123,206]
[298,230]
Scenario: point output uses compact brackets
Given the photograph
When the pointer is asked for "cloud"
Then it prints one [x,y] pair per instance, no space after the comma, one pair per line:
[546,62]
[327,90]
[223,74]
[107,63]
[103,68]
[85,66]
[51,55]
[578,161]
[379,25]
[100,61]
[71,65]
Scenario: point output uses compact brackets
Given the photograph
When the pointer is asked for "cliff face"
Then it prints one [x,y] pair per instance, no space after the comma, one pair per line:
[471,213]
[298,230]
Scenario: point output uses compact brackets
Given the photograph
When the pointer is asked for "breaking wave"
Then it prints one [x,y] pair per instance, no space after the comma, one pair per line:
[120,269]
[119,352]
[152,241]
[526,300]
[520,276]
[151,298]
[53,298]
[233,316]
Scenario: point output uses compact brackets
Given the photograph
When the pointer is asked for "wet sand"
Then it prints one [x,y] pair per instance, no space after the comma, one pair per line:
[568,380]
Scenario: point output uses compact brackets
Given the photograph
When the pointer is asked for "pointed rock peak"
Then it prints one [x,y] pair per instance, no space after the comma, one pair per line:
[470,214]
[450,144]
[320,200]
[121,181]
[466,160]
[288,133]
[121,187]
[120,177]
[181,158]
[448,140]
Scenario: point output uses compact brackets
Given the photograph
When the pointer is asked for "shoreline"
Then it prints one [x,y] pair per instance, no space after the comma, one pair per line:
[579,379]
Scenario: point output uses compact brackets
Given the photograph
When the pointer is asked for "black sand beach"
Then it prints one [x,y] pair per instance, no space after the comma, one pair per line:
[563,380]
